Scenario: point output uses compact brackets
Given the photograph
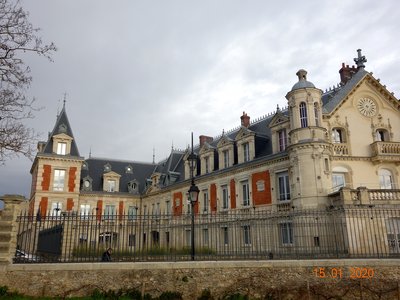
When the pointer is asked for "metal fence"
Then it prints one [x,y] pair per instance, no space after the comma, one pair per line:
[337,232]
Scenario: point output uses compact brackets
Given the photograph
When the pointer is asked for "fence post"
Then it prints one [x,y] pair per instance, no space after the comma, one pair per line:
[9,226]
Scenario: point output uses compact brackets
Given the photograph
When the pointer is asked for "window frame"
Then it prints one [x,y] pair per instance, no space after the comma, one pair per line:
[58,180]
[284,193]
[303,115]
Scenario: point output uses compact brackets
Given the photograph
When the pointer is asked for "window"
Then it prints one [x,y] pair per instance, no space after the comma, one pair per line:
[132,240]
[109,212]
[337,136]
[226,158]
[56,208]
[283,186]
[59,179]
[110,185]
[168,207]
[245,193]
[246,235]
[207,164]
[385,179]
[85,211]
[338,181]
[61,148]
[205,236]
[225,235]
[225,204]
[316,114]
[286,231]
[132,212]
[382,135]
[303,115]
[246,152]
[205,201]
[282,139]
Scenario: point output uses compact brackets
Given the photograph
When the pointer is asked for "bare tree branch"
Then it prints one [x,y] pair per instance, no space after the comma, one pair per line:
[17,36]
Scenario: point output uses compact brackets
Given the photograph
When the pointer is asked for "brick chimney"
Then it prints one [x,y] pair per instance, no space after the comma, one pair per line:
[346,73]
[245,120]
[204,138]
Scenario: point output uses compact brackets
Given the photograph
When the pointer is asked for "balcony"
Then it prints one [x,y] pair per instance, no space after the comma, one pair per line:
[385,151]
[364,196]
[340,149]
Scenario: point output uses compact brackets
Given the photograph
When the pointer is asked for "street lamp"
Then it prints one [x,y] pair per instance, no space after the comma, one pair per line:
[193,193]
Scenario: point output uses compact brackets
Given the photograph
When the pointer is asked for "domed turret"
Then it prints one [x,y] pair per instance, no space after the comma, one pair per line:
[303,83]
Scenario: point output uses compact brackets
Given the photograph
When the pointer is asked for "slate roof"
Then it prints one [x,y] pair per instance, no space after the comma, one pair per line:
[62,126]
[332,99]
[95,170]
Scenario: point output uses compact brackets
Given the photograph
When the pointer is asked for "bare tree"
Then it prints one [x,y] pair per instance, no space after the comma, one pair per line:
[17,36]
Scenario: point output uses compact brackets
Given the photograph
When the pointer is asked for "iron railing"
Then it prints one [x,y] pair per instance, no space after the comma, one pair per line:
[336,232]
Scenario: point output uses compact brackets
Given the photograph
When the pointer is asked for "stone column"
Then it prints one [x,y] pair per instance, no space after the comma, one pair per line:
[9,226]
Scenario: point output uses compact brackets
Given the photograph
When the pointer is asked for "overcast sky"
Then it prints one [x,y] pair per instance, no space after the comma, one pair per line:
[144,74]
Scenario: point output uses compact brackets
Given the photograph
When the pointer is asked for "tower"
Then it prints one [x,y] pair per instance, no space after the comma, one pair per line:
[309,149]
[56,171]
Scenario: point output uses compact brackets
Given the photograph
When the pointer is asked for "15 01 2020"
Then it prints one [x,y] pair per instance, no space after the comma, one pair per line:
[342,272]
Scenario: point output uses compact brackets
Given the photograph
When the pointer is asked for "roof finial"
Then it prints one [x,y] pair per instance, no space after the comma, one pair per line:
[277,108]
[65,99]
[360,59]
[154,155]
[90,152]
[172,146]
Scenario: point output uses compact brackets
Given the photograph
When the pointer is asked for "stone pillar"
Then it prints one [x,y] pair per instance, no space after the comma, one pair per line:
[9,226]
[363,195]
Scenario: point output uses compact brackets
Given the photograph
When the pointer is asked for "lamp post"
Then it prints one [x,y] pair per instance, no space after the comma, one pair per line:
[193,193]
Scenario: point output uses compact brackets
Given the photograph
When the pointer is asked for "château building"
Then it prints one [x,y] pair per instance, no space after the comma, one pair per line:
[328,148]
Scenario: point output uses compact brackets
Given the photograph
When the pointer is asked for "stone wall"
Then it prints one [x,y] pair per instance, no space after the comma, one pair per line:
[258,279]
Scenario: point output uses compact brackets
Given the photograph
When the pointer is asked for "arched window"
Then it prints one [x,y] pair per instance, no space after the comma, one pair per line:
[385,179]
[382,135]
[338,136]
[303,115]
[316,113]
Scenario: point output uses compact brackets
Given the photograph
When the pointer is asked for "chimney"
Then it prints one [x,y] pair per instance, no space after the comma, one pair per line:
[245,120]
[346,73]
[204,138]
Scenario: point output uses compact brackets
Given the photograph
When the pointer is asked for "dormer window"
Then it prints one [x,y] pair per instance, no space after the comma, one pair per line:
[226,158]
[111,184]
[207,164]
[133,186]
[129,169]
[107,167]
[61,148]
[85,166]
[337,136]
[282,139]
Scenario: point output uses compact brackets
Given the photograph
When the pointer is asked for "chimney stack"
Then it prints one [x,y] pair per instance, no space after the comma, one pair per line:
[245,120]
[346,73]
[204,138]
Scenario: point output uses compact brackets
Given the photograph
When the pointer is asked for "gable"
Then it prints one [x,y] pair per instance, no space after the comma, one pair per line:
[278,119]
[243,132]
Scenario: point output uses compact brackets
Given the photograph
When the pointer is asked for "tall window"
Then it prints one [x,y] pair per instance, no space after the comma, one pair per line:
[303,115]
[109,212]
[338,181]
[246,193]
[59,179]
[283,186]
[246,235]
[226,159]
[56,208]
[225,235]
[282,139]
[225,197]
[132,212]
[205,200]
[337,136]
[385,179]
[286,230]
[168,207]
[246,152]
[85,211]
[316,114]
[111,186]
[61,148]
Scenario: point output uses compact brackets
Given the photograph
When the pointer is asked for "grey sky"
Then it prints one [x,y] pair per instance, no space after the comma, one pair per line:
[144,74]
